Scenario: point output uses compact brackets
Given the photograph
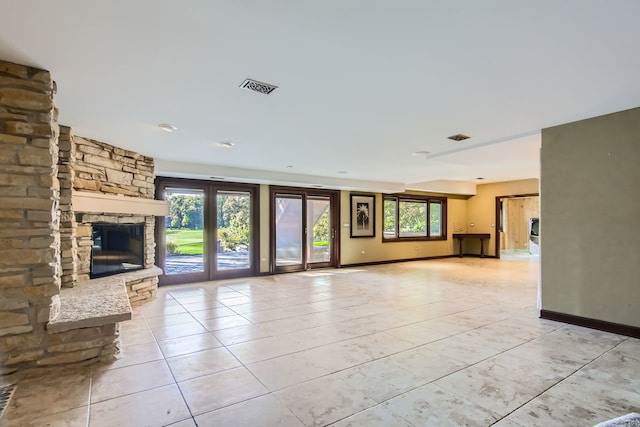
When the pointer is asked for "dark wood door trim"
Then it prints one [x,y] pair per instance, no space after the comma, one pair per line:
[210,189]
[334,229]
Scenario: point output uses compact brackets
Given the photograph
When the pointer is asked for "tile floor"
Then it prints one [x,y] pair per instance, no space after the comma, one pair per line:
[431,343]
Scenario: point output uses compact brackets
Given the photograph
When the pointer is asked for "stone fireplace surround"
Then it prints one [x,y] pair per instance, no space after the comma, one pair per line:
[101,184]
[53,186]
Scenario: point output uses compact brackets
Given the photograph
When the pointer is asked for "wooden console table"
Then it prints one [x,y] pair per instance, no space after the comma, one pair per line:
[481,236]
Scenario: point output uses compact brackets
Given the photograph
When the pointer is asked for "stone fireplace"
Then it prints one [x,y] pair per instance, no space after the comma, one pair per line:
[54,187]
[106,186]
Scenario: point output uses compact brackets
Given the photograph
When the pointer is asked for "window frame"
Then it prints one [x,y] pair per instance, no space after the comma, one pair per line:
[427,200]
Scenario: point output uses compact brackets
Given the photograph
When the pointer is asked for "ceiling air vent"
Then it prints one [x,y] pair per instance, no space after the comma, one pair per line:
[257,86]
[458,137]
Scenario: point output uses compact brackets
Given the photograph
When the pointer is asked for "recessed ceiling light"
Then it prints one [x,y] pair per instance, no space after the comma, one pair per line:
[479,179]
[225,144]
[342,172]
[217,178]
[289,166]
[458,137]
[317,186]
[420,154]
[167,127]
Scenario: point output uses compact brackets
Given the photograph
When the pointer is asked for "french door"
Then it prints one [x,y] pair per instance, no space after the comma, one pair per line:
[303,229]
[210,233]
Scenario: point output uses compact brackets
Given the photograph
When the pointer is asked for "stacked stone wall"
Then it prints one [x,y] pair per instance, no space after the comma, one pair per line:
[29,213]
[66,177]
[83,344]
[142,290]
[44,242]
[103,168]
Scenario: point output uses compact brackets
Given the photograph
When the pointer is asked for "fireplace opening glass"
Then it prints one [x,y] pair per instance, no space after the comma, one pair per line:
[117,248]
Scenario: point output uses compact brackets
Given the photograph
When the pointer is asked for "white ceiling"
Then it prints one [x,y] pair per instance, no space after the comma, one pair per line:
[362,84]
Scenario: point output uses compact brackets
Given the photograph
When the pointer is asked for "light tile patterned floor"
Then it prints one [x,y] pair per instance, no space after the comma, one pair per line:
[431,343]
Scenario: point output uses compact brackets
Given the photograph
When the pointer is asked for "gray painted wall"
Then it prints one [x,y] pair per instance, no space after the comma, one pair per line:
[590,218]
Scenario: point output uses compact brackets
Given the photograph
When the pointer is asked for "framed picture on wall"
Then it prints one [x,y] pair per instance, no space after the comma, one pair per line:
[363,215]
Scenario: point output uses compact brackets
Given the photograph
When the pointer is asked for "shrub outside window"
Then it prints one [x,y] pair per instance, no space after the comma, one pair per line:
[414,218]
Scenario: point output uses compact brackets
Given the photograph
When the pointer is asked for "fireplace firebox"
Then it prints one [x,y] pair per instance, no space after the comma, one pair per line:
[117,248]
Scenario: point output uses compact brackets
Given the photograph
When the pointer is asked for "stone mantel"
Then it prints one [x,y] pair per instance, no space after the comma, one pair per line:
[85,201]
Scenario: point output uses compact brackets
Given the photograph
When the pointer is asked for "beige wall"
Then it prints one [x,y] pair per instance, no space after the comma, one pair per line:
[481,210]
[364,250]
[351,250]
[590,175]
[461,212]
[265,217]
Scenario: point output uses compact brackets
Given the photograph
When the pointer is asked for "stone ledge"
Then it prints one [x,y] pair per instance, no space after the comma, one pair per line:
[132,276]
[97,302]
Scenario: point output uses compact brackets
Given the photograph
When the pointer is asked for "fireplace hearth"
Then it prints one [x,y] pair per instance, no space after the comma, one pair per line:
[116,248]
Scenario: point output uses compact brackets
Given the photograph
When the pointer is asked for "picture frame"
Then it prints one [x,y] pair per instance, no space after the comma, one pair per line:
[363,215]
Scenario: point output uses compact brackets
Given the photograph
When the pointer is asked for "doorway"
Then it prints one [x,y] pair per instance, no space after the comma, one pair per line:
[211,231]
[517,218]
[304,232]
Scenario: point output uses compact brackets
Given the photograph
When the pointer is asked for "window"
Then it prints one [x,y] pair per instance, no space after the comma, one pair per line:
[414,218]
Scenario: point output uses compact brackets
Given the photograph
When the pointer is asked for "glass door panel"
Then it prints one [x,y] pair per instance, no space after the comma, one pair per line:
[184,231]
[233,231]
[288,230]
[318,229]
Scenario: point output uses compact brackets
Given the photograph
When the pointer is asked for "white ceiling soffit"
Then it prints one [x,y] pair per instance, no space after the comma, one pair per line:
[255,176]
[361,85]
[445,186]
